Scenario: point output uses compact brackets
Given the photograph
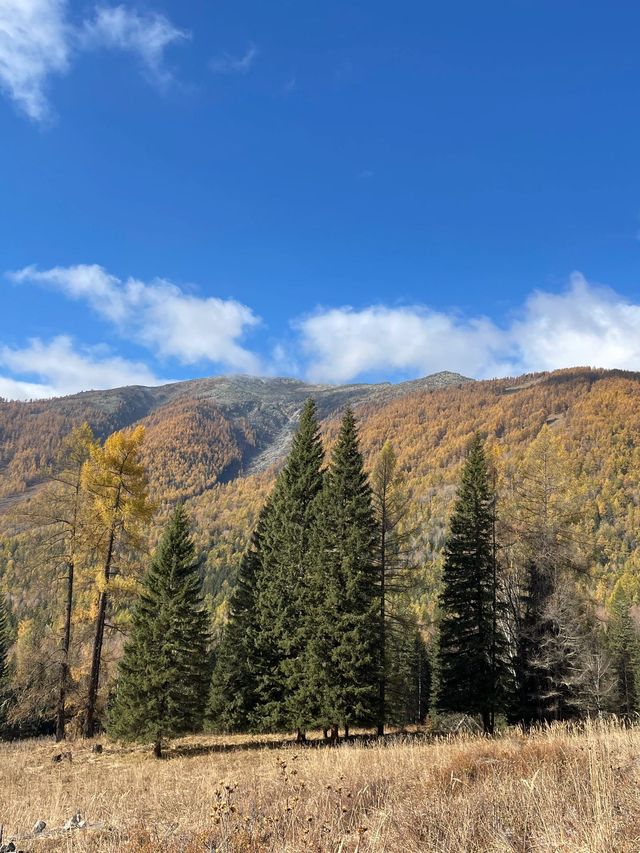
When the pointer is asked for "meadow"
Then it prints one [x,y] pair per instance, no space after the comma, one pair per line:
[558,789]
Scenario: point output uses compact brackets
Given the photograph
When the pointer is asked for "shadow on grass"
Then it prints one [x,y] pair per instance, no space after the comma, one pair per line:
[192,750]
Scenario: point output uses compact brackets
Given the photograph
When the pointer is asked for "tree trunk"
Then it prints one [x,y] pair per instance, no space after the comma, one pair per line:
[325,734]
[487,725]
[64,665]
[346,732]
[94,677]
[334,734]
[383,634]
[300,736]
[157,749]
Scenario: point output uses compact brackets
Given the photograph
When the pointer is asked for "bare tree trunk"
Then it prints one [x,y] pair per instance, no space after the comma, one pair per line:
[157,749]
[94,677]
[64,665]
[334,734]
[346,732]
[300,736]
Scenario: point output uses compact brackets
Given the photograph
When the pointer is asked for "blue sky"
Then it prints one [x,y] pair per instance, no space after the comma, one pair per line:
[340,191]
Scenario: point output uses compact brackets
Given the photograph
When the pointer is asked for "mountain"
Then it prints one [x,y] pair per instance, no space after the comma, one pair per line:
[217,442]
[199,432]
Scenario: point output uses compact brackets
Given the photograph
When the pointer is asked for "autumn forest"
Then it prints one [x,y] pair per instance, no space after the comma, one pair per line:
[92,487]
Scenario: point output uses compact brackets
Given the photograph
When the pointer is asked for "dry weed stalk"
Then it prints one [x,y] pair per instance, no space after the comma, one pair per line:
[561,789]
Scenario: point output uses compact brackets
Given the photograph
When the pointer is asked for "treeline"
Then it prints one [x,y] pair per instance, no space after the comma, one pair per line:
[325,627]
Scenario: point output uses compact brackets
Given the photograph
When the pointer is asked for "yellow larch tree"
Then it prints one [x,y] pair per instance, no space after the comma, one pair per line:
[115,480]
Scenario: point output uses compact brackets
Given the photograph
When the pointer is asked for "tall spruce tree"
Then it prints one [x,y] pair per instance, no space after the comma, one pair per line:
[529,696]
[233,700]
[343,660]
[282,587]
[470,646]
[624,647]
[163,676]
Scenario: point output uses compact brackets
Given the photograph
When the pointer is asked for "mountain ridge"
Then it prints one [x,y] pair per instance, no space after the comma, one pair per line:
[238,424]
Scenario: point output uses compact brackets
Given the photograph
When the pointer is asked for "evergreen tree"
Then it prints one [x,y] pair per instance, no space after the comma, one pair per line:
[470,645]
[624,647]
[233,696]
[408,682]
[343,660]
[283,584]
[532,679]
[162,682]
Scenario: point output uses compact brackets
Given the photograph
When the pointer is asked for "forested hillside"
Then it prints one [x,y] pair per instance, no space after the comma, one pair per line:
[199,432]
[219,443]
[594,415]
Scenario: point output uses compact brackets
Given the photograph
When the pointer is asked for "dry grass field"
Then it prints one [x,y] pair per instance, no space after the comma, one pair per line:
[557,790]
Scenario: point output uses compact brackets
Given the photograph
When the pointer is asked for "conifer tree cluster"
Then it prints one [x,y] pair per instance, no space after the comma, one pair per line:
[304,642]
[324,626]
[518,635]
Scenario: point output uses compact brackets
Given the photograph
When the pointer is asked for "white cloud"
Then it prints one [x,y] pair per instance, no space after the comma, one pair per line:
[584,325]
[37,40]
[34,43]
[61,369]
[158,314]
[343,344]
[147,35]
[228,64]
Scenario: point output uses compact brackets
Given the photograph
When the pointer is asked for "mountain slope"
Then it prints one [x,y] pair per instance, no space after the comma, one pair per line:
[217,443]
[198,432]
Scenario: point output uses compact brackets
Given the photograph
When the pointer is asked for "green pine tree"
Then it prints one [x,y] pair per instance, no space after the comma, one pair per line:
[409,675]
[343,660]
[163,676]
[470,645]
[233,697]
[624,647]
[282,587]
[531,680]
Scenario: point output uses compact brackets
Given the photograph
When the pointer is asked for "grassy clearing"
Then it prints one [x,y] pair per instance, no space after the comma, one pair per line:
[557,790]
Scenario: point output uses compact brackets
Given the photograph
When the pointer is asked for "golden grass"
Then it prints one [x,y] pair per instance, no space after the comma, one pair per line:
[556,790]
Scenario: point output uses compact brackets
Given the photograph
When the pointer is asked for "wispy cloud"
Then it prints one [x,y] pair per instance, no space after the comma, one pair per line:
[290,85]
[60,368]
[226,63]
[158,314]
[146,35]
[38,40]
[35,43]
